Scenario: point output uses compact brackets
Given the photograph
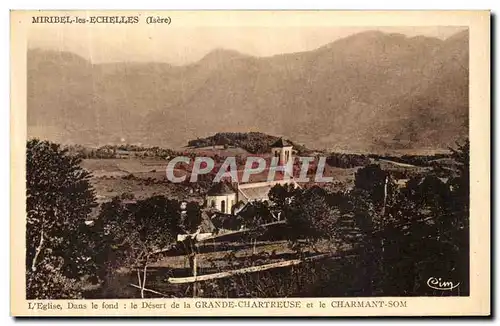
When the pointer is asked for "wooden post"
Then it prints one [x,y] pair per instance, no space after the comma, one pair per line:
[385,195]
[193,246]
[382,242]
[194,274]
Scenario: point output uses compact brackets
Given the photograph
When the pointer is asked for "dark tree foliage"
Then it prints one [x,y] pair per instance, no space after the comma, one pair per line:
[460,182]
[114,231]
[255,214]
[282,195]
[417,233]
[372,180]
[157,220]
[252,217]
[191,217]
[346,161]
[59,246]
[399,237]
[131,235]
[253,142]
[311,217]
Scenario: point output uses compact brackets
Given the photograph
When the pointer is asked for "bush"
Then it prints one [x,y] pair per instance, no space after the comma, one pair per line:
[346,161]
[253,142]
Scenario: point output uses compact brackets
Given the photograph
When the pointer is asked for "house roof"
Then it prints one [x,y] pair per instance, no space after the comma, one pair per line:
[223,221]
[220,188]
[251,210]
[256,193]
[261,176]
[281,143]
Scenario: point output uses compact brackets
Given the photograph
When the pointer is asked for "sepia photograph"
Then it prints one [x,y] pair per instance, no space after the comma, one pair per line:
[251,161]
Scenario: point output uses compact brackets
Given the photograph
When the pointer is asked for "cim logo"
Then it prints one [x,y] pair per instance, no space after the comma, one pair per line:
[439,284]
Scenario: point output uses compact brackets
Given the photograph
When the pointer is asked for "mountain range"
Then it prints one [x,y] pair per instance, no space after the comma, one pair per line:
[368,92]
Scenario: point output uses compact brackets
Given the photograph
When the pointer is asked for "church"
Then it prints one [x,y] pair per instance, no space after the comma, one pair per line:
[230,198]
[227,200]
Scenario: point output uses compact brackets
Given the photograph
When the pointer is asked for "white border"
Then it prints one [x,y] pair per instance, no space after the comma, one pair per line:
[214,4]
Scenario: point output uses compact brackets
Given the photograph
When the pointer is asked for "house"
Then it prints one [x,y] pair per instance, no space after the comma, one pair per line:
[206,228]
[213,223]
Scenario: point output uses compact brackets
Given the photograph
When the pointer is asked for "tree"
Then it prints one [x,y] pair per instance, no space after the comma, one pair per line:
[190,222]
[417,233]
[59,198]
[133,235]
[282,195]
[157,222]
[461,182]
[252,217]
[310,217]
[373,181]
[458,234]
[429,192]
[113,231]
[370,223]
[191,217]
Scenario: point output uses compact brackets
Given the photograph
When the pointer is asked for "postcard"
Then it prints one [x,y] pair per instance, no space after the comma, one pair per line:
[250,163]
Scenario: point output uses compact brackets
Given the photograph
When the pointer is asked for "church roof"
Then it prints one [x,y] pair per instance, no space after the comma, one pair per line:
[221,188]
[260,177]
[281,143]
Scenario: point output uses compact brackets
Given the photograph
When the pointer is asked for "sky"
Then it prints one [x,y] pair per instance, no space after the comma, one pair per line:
[180,44]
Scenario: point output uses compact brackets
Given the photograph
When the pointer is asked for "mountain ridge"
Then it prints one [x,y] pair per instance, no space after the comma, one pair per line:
[364,92]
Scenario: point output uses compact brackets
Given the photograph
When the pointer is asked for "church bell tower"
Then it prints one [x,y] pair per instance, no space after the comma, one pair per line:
[282,149]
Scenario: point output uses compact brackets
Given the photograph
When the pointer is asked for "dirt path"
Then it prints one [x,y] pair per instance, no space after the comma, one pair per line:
[399,163]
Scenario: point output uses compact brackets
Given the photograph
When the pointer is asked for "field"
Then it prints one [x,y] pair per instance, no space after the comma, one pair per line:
[138,178]
[146,177]
[141,178]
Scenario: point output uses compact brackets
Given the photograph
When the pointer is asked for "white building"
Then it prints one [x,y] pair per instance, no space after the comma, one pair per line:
[221,197]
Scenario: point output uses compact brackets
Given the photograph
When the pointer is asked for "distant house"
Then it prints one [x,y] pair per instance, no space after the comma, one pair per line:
[119,153]
[401,182]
